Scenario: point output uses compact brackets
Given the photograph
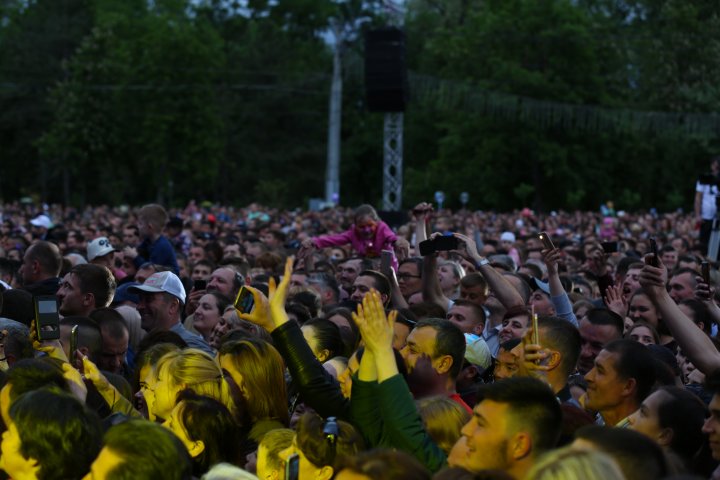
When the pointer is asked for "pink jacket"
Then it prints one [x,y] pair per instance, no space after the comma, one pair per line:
[383,240]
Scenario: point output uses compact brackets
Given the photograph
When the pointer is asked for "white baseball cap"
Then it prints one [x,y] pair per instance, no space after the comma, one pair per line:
[99,247]
[41,220]
[158,282]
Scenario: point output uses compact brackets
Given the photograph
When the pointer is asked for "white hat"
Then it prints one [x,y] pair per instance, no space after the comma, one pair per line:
[507,237]
[158,282]
[477,351]
[99,247]
[41,220]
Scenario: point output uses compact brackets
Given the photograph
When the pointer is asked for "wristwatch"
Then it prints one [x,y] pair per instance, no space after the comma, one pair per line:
[483,261]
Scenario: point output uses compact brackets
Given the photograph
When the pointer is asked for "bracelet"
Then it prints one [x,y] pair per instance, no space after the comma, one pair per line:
[482,262]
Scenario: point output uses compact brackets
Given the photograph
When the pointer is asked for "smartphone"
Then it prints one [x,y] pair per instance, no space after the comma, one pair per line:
[199,285]
[292,465]
[244,302]
[445,243]
[73,344]
[610,247]
[705,267]
[655,261]
[386,257]
[47,318]
[545,239]
[427,247]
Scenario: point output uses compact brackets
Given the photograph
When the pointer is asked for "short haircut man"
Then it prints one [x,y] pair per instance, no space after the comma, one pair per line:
[563,339]
[269,463]
[474,287]
[711,427]
[409,276]
[434,356]
[369,279]
[622,377]
[226,280]
[326,285]
[85,288]
[682,284]
[599,327]
[56,432]
[468,316]
[89,336]
[514,421]
[115,340]
[139,449]
[40,267]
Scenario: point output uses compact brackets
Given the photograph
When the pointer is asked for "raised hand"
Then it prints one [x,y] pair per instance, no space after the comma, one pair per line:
[375,327]
[551,257]
[653,279]
[615,301]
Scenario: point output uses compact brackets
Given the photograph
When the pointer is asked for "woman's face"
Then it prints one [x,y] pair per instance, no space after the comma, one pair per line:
[309,334]
[207,315]
[221,328]
[159,395]
[641,308]
[645,419]
[642,335]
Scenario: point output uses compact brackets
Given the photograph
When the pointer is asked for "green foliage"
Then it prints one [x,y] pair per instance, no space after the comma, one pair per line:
[107,101]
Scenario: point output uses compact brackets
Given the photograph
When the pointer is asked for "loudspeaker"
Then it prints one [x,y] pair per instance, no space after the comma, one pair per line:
[385,73]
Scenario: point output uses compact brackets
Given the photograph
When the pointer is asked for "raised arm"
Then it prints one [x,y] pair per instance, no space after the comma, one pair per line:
[558,295]
[504,291]
[431,289]
[697,346]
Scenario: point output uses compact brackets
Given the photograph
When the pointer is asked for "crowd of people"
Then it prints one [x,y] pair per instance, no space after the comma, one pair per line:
[221,343]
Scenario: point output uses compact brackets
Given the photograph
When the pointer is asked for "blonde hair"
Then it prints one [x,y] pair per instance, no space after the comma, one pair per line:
[443,419]
[195,370]
[568,464]
[263,375]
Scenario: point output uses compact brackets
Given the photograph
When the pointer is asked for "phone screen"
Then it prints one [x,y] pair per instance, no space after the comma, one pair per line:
[292,465]
[244,302]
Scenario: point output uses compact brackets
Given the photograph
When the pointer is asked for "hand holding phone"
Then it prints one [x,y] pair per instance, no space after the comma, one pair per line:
[199,285]
[244,302]
[705,267]
[546,241]
[47,318]
[654,260]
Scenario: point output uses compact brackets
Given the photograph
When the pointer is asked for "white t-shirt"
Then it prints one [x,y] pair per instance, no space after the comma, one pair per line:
[707,210]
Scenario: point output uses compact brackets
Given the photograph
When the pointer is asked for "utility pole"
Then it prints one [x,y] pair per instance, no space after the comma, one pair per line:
[332,171]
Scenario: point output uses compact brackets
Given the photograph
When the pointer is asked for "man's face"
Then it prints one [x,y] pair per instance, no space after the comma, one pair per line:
[682,286]
[130,237]
[409,279]
[269,240]
[231,251]
[606,389]
[711,427]
[361,286]
[631,282]
[222,280]
[513,327]
[593,340]
[420,346]
[113,353]
[72,301]
[154,310]
[669,259]
[196,254]
[28,267]
[298,280]
[506,365]
[484,443]
[541,303]
[476,294]
[466,319]
[347,272]
[200,272]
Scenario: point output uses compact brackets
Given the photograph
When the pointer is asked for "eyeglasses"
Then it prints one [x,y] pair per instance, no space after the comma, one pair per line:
[331,431]
[405,276]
